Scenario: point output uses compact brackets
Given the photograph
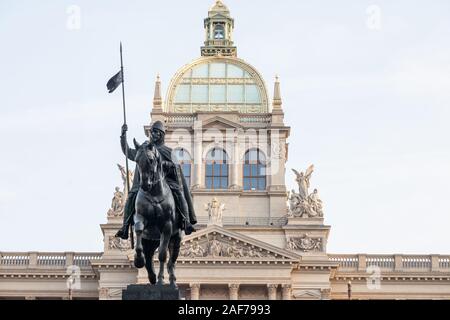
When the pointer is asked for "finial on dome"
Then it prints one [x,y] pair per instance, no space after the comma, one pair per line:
[276,94]
[219,6]
[157,100]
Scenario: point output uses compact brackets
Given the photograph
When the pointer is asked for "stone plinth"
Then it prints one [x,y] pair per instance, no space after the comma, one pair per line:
[150,292]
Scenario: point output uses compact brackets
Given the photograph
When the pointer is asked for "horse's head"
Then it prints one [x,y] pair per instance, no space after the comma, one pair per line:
[149,163]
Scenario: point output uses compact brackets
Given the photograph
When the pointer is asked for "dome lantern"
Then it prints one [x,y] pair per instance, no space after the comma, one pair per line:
[219,32]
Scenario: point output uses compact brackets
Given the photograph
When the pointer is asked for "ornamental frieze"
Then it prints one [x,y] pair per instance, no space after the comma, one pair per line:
[304,243]
[207,81]
[245,108]
[116,243]
[219,108]
[182,109]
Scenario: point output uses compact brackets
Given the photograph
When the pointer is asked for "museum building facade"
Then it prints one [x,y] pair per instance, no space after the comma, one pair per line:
[255,239]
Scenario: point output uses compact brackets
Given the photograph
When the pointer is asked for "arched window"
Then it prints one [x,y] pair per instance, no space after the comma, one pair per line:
[254,170]
[216,169]
[184,160]
[219,32]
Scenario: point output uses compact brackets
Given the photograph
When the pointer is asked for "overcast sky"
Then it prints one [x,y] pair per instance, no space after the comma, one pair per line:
[365,88]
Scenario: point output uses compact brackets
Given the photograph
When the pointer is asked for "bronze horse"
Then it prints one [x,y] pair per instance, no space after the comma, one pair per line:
[156,221]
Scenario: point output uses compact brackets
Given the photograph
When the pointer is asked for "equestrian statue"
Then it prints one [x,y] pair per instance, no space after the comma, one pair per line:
[159,204]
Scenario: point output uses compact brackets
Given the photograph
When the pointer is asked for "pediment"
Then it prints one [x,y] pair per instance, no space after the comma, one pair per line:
[307,294]
[220,123]
[217,243]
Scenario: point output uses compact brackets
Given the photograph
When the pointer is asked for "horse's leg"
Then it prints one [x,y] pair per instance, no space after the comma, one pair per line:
[174,249]
[139,259]
[149,249]
[166,233]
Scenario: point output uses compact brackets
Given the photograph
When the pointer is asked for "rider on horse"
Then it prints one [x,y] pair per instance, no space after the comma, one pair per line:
[175,180]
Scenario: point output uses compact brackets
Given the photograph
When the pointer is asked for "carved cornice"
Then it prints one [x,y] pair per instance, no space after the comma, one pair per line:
[30,275]
[112,265]
[200,261]
[364,277]
[300,267]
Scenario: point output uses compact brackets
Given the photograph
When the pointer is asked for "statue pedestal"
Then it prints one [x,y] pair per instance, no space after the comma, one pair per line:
[150,292]
[295,221]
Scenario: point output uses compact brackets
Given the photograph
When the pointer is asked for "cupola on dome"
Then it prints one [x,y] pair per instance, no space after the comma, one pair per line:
[219,6]
[218,81]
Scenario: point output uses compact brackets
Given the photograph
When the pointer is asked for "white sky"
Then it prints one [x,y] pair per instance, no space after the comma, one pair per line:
[369,107]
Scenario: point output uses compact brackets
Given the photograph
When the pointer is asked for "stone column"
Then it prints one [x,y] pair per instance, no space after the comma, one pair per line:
[277,161]
[198,159]
[286,292]
[211,31]
[235,165]
[234,291]
[272,291]
[195,291]
[227,31]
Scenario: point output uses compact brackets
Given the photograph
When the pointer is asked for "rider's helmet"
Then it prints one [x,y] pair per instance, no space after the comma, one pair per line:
[159,126]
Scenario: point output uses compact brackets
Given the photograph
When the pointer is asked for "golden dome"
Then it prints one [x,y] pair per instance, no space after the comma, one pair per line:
[217,83]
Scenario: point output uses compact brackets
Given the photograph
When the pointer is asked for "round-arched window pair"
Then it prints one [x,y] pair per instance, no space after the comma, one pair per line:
[217,171]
